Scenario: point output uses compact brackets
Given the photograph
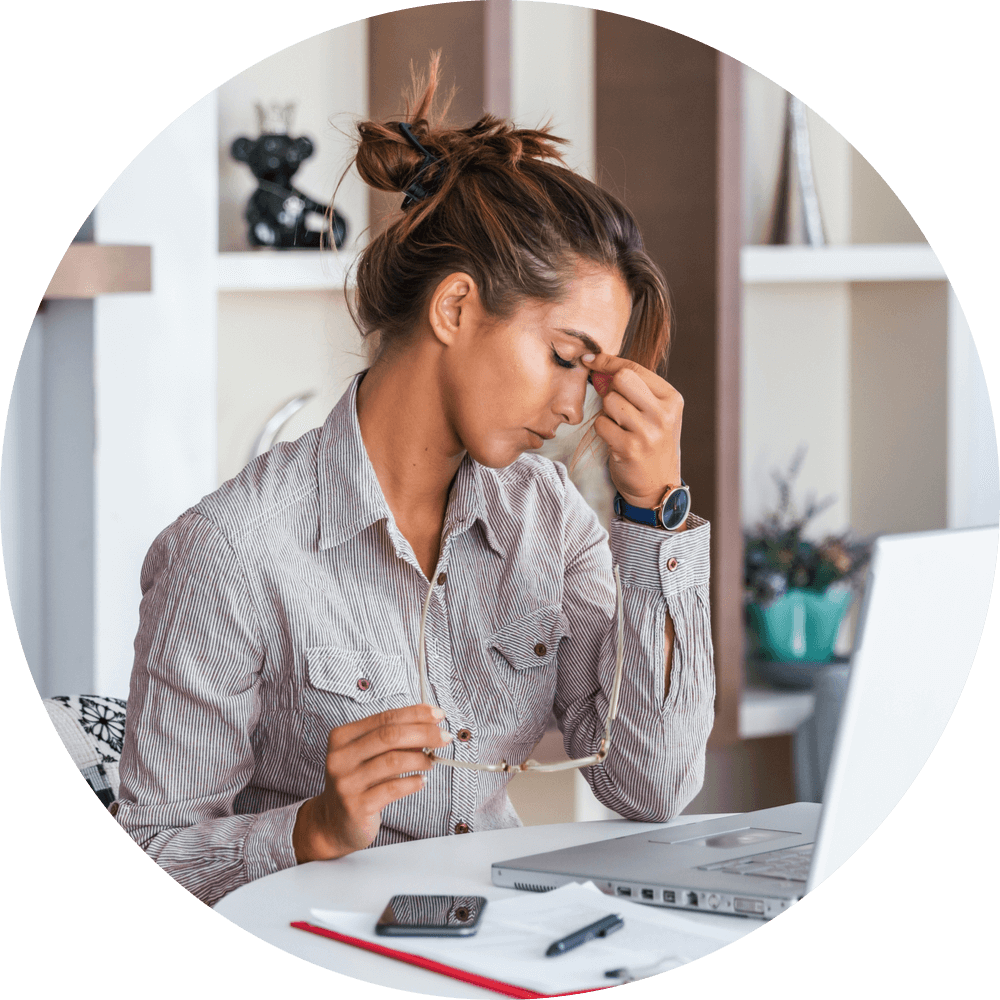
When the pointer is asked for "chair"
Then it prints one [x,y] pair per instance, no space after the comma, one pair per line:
[91,728]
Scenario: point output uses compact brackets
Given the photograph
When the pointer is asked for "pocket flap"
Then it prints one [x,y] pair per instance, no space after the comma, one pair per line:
[362,674]
[533,639]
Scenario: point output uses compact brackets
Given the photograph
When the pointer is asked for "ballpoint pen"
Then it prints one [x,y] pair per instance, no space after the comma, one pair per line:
[600,928]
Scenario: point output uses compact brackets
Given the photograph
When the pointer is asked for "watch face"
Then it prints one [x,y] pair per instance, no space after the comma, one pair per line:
[675,508]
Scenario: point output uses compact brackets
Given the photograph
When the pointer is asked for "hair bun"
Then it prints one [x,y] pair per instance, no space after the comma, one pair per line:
[386,159]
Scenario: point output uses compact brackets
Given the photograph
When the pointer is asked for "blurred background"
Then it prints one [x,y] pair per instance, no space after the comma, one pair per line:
[166,343]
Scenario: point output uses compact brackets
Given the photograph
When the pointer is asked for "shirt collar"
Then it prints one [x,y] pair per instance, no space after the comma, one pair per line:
[351,499]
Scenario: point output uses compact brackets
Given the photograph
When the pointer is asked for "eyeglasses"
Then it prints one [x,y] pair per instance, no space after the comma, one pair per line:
[532,765]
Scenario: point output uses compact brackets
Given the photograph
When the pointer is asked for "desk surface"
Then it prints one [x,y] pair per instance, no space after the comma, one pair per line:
[365,880]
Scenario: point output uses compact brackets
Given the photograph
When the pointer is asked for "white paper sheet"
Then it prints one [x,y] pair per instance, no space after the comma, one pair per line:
[514,934]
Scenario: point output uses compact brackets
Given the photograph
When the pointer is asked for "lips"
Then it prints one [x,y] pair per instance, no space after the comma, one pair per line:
[544,437]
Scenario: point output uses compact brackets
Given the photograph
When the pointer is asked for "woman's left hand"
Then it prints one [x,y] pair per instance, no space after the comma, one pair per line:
[641,424]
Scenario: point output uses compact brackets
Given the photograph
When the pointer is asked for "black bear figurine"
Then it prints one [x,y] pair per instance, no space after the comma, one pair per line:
[276,211]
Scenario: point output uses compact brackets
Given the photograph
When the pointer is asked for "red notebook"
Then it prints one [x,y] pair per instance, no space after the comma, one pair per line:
[427,963]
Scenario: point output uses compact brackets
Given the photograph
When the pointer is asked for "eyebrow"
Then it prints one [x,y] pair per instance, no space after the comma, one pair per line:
[588,341]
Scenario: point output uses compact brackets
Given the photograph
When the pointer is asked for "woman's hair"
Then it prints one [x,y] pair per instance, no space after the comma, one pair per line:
[502,208]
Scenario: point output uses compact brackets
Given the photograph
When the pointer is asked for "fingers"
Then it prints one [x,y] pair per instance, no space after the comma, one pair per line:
[363,753]
[352,731]
[378,797]
[641,386]
[641,424]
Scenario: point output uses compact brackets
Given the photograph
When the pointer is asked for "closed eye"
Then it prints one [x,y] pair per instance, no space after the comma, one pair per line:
[561,361]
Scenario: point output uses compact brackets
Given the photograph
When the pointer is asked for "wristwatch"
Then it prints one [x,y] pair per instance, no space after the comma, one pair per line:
[669,514]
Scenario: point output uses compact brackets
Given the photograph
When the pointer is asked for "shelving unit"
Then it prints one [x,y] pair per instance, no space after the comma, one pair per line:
[91,269]
[766,711]
[851,263]
[285,271]
[769,712]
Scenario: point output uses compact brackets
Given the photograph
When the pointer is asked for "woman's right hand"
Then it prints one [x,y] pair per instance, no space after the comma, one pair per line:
[365,761]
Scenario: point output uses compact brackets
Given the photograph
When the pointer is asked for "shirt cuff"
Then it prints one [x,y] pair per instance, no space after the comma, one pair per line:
[663,561]
[268,845]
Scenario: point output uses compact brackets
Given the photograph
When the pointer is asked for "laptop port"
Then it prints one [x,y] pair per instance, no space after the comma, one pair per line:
[692,899]
[624,890]
[647,893]
[669,896]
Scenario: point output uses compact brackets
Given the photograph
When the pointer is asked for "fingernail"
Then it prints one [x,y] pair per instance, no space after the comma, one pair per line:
[438,713]
[447,737]
[600,381]
[589,357]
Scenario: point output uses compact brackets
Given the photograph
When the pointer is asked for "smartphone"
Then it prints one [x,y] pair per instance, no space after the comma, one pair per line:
[431,916]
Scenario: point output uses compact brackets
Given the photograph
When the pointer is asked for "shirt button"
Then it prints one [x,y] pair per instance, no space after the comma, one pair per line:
[461,828]
[464,735]
[671,564]
[442,577]
[540,649]
[364,684]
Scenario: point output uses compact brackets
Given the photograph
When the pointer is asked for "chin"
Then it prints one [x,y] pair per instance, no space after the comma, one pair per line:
[496,455]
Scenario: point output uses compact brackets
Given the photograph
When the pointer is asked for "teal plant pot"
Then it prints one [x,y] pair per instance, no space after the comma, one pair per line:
[800,625]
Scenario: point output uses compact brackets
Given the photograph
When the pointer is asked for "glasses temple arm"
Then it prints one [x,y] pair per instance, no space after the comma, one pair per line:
[425,696]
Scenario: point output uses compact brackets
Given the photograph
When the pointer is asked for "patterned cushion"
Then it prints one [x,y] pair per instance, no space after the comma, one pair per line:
[91,728]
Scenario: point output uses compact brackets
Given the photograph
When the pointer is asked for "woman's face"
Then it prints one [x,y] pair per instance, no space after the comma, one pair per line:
[512,382]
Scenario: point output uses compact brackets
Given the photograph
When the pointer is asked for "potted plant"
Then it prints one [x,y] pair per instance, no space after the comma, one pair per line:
[797,590]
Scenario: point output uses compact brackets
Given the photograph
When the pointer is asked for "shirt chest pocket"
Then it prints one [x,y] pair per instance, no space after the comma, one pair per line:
[524,654]
[348,684]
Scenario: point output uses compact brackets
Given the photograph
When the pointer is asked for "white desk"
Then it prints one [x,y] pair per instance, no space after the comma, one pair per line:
[365,880]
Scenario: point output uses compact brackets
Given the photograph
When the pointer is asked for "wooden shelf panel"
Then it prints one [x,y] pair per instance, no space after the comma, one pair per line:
[91,269]
[284,270]
[861,262]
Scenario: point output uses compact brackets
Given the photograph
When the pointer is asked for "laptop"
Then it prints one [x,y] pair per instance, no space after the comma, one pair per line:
[922,616]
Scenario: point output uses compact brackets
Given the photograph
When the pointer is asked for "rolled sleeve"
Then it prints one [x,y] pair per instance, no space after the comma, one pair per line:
[656,762]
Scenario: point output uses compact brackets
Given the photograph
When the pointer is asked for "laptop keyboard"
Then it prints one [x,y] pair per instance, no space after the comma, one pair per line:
[791,864]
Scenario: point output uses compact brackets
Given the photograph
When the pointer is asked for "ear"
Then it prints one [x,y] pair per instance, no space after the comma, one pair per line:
[241,149]
[454,308]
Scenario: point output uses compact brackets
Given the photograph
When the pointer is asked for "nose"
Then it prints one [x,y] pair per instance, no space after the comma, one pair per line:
[569,404]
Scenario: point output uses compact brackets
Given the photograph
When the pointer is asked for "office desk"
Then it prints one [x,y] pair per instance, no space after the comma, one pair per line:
[365,880]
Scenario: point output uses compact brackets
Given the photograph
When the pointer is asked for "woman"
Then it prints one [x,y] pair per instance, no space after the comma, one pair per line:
[276,713]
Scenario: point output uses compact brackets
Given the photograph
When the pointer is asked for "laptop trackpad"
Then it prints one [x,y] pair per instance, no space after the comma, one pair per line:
[729,840]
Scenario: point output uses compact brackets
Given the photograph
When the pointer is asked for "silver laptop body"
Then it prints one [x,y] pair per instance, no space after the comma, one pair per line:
[922,617]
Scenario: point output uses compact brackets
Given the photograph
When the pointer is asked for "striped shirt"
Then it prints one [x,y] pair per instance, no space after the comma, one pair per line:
[288,602]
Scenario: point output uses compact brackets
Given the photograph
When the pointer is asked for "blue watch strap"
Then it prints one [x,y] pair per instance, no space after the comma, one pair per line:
[650,516]
[641,515]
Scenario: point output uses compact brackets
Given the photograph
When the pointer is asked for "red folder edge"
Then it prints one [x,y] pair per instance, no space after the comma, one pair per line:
[427,963]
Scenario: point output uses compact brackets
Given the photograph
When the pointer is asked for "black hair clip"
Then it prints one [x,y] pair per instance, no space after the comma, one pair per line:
[416,191]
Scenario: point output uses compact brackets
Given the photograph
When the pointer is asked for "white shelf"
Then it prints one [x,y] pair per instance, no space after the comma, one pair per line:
[317,270]
[765,712]
[861,262]
[283,270]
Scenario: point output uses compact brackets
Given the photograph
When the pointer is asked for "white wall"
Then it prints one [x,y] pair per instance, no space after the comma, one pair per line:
[973,479]
[795,389]
[21,476]
[552,73]
[154,371]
